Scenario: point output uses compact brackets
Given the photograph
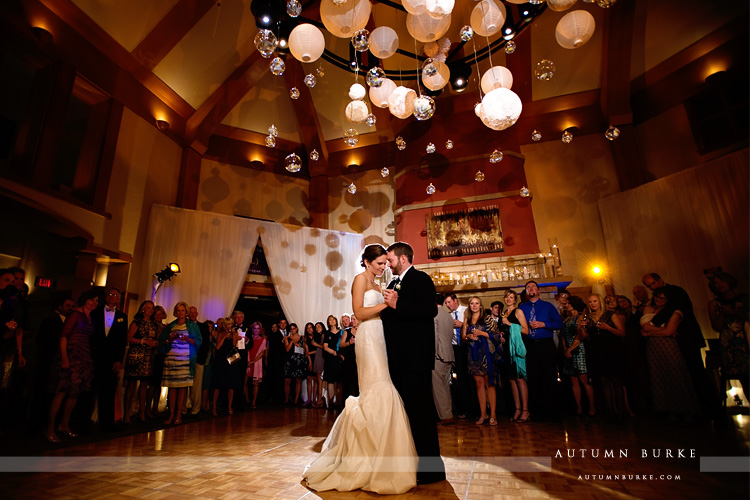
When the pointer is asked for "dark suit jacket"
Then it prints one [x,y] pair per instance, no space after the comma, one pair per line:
[106,350]
[409,329]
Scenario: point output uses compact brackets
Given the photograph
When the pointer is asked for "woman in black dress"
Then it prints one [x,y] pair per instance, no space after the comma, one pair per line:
[139,362]
[333,360]
[311,348]
[319,363]
[227,373]
[296,364]
[515,354]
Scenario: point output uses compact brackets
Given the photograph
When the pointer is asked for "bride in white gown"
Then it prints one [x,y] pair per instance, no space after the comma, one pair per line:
[370,446]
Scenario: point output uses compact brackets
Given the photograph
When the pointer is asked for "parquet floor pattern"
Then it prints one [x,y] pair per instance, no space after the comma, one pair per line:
[261,455]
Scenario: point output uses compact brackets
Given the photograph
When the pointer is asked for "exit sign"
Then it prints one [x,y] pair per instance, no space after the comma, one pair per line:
[44,282]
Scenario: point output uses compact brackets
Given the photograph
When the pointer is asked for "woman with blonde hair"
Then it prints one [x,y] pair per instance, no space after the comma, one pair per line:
[255,356]
[227,371]
[513,325]
[481,334]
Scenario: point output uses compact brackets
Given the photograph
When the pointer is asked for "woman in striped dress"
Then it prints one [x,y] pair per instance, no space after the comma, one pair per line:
[180,340]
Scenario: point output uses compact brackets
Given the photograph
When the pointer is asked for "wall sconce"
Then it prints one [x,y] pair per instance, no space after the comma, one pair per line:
[168,272]
[162,124]
[42,35]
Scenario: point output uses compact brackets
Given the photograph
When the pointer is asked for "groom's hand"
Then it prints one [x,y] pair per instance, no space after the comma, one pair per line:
[391,297]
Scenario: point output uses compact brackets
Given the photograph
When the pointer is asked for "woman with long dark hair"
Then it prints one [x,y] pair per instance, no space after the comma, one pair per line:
[319,363]
[311,349]
[296,364]
[139,362]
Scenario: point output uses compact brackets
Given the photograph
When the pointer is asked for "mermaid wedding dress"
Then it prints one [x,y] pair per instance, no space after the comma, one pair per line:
[370,446]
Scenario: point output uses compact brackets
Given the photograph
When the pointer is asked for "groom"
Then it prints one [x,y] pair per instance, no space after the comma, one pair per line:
[410,344]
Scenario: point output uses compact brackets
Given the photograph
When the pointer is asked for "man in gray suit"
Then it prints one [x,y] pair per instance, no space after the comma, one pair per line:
[441,374]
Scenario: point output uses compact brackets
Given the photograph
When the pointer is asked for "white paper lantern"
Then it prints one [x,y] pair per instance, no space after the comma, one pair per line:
[306,43]
[425,28]
[560,5]
[496,77]
[414,6]
[500,109]
[575,29]
[439,79]
[383,42]
[478,110]
[379,95]
[401,102]
[356,112]
[488,17]
[439,8]
[342,21]
[357,92]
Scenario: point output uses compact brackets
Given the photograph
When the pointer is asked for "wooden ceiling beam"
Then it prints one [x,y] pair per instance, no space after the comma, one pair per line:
[618,44]
[170,30]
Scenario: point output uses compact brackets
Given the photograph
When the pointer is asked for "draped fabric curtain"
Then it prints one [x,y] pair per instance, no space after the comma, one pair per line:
[680,225]
[312,269]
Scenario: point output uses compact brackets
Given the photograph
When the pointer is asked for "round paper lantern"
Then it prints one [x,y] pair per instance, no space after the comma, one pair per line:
[439,8]
[439,79]
[414,6]
[478,110]
[357,92]
[356,112]
[306,43]
[496,77]
[379,95]
[383,42]
[425,28]
[488,17]
[342,21]
[401,102]
[560,5]
[500,109]
[575,29]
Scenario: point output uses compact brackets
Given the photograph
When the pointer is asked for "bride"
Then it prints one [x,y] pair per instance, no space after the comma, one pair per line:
[370,446]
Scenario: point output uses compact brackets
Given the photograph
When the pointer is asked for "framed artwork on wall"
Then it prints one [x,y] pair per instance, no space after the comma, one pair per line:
[464,232]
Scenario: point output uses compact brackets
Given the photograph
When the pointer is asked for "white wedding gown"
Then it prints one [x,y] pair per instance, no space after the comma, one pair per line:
[370,446]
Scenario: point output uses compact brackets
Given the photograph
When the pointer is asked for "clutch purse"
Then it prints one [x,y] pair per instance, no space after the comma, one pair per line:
[234,356]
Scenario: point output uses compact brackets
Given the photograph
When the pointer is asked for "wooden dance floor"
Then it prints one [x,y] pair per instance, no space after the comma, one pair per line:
[261,454]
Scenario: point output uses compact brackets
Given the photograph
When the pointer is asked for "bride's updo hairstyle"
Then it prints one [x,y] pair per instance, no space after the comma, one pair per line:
[371,252]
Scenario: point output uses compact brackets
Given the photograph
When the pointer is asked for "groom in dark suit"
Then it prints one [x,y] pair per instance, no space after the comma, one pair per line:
[410,344]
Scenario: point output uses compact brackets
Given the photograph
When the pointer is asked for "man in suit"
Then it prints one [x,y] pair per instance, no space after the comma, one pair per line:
[410,345]
[444,358]
[107,351]
[464,394]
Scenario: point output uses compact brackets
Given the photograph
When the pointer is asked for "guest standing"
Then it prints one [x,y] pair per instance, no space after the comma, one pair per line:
[311,349]
[319,363]
[153,394]
[180,340]
[575,357]
[444,358]
[296,364]
[333,361]
[254,374]
[139,362]
[228,373]
[514,328]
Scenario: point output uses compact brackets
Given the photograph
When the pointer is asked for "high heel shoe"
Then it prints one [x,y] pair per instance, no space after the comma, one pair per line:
[67,433]
[523,420]
[213,412]
[515,416]
[52,438]
[481,420]
[493,422]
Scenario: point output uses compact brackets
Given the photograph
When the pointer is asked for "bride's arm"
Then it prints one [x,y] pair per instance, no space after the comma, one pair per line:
[358,299]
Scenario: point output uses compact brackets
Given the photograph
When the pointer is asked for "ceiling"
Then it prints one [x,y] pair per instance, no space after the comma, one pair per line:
[202,52]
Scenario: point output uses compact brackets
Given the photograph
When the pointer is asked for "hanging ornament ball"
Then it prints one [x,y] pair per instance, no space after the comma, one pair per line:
[273,131]
[501,109]
[448,144]
[510,47]
[479,176]
[429,68]
[424,107]
[351,137]
[371,120]
[525,192]
[314,155]
[575,29]
[430,189]
[605,4]
[384,172]
[294,93]
[536,136]
[342,19]
[356,111]
[430,148]
[270,141]
[545,70]
[277,66]
[379,94]
[560,5]
[466,33]
[293,8]
[310,80]
[265,42]
[488,17]
[439,78]
[306,43]
[496,77]
[567,137]
[425,28]
[401,102]
[375,76]
[357,92]
[352,188]
[293,163]
[360,40]
[383,42]
[400,143]
[612,133]
[320,72]
[496,156]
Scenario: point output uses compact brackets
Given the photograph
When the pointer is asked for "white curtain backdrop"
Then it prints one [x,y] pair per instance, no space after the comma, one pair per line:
[312,269]
[680,225]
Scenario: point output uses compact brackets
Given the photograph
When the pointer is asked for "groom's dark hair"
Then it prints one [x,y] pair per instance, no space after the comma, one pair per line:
[401,248]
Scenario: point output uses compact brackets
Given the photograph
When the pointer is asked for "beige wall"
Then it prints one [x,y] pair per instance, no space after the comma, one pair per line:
[369,211]
[566,181]
[667,143]
[232,190]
